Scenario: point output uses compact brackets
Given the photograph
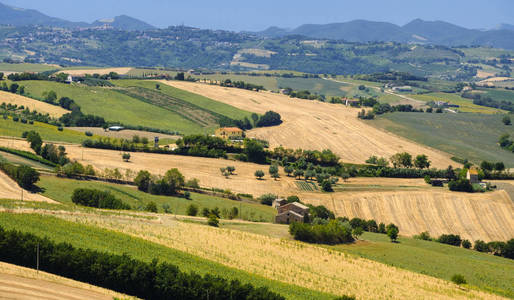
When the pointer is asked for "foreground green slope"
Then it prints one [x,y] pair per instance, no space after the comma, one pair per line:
[114,106]
[465,135]
[105,240]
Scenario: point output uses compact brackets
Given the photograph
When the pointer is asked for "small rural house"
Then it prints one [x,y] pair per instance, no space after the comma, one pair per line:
[472,176]
[230,133]
[291,212]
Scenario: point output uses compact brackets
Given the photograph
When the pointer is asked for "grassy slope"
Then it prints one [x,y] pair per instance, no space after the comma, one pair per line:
[206,103]
[465,135]
[485,271]
[488,272]
[114,106]
[62,189]
[499,94]
[104,240]
[48,132]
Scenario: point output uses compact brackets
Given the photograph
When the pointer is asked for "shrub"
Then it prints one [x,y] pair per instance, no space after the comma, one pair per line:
[60,128]
[89,133]
[97,199]
[423,236]
[213,221]
[259,174]
[192,210]
[292,199]
[458,279]
[466,244]
[205,212]
[326,186]
[193,183]
[461,185]
[450,239]
[187,195]
[15,119]
[392,232]
[151,207]
[126,157]
[481,246]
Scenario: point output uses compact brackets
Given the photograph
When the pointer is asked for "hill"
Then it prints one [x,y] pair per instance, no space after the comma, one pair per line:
[416,31]
[23,17]
[123,22]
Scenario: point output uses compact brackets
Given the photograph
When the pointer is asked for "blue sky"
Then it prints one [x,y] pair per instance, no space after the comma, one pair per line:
[258,15]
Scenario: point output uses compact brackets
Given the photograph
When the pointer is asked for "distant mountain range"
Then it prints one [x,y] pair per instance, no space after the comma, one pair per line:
[417,31]
[23,17]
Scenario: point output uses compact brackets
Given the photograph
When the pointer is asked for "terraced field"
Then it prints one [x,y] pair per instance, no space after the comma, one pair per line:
[315,126]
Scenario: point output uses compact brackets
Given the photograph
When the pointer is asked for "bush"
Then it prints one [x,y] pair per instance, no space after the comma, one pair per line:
[466,244]
[458,279]
[392,232]
[89,133]
[151,207]
[60,128]
[193,183]
[259,174]
[121,273]
[192,210]
[97,199]
[450,239]
[423,236]
[187,195]
[461,185]
[292,199]
[126,156]
[213,221]
[481,246]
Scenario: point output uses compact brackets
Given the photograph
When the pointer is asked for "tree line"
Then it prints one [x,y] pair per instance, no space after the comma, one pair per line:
[97,199]
[48,151]
[155,280]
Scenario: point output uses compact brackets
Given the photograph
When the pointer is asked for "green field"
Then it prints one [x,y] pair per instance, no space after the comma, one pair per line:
[465,135]
[83,236]
[61,190]
[114,106]
[499,94]
[4,67]
[48,132]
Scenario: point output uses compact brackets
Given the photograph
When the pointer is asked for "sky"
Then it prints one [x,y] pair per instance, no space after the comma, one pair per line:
[258,15]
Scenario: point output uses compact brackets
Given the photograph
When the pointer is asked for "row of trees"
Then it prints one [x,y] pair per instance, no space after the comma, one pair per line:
[498,248]
[169,184]
[122,273]
[50,152]
[25,176]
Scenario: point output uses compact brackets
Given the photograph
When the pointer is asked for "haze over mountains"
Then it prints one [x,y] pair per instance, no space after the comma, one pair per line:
[417,31]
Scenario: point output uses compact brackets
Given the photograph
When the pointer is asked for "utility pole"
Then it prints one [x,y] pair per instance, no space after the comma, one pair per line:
[37,258]
[21,194]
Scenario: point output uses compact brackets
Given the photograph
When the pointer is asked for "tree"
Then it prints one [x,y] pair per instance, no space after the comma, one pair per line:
[288,169]
[506,120]
[481,246]
[466,244]
[450,173]
[50,96]
[174,179]
[273,171]
[422,162]
[392,232]
[224,172]
[357,232]
[458,279]
[499,166]
[254,151]
[21,90]
[26,176]
[461,185]
[381,228]
[403,159]
[486,166]
[298,173]
[136,139]
[192,210]
[213,221]
[157,86]
[126,156]
[259,174]
[13,88]
[142,180]
[144,140]
[292,199]
[326,186]
[267,199]
[180,76]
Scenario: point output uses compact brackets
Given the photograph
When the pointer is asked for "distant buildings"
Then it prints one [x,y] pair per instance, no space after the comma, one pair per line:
[291,212]
[232,133]
[472,176]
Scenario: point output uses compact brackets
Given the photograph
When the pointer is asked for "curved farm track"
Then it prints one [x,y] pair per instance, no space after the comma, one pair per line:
[314,125]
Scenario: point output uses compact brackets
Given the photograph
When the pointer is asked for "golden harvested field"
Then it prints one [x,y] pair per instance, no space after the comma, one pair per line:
[409,203]
[9,189]
[488,216]
[42,107]
[314,125]
[23,283]
[121,71]
[288,261]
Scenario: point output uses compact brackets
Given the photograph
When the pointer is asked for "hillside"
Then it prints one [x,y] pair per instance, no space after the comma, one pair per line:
[124,22]
[320,125]
[39,106]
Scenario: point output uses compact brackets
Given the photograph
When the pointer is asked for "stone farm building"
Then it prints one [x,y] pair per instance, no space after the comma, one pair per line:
[230,133]
[291,212]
